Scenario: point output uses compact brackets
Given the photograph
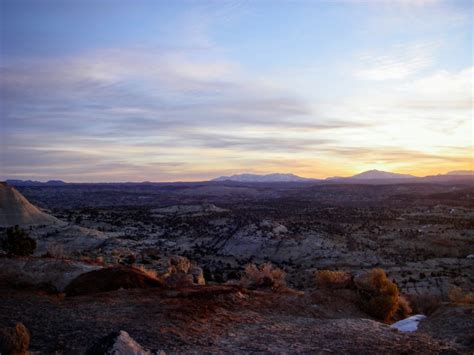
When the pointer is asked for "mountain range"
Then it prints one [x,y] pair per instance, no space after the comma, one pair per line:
[264,178]
[16,182]
[368,177]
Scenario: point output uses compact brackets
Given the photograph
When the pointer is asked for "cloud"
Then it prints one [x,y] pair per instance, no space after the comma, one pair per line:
[400,62]
[394,154]
[436,99]
[167,115]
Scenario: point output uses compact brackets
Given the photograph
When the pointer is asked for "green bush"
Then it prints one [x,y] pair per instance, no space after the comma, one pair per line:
[18,242]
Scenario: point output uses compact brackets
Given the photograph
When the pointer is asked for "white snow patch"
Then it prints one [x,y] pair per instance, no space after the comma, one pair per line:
[409,324]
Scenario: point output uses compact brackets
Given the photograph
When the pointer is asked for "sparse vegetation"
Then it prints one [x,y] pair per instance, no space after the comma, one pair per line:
[379,296]
[332,279]
[424,304]
[55,251]
[457,295]
[267,276]
[14,341]
[18,242]
[404,307]
[149,272]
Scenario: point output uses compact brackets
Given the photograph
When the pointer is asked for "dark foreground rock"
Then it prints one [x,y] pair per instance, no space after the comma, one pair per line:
[110,279]
[212,319]
[117,343]
[452,322]
[41,273]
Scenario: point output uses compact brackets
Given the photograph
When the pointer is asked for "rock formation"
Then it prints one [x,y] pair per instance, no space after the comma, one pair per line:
[15,209]
[118,343]
[110,279]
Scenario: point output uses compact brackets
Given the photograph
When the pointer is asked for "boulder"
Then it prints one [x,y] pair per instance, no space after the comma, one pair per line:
[198,275]
[179,264]
[35,272]
[118,343]
[110,279]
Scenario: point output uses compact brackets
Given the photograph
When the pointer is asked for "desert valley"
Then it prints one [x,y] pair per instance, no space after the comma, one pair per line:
[280,264]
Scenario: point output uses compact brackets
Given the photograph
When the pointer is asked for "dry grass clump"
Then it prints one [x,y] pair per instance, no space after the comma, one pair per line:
[379,296]
[55,251]
[148,272]
[456,295]
[332,279]
[14,340]
[267,276]
[404,307]
[424,304]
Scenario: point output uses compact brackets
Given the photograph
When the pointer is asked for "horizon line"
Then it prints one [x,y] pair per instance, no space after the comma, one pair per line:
[328,178]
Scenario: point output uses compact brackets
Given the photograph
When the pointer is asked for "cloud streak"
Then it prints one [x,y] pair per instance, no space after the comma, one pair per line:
[401,62]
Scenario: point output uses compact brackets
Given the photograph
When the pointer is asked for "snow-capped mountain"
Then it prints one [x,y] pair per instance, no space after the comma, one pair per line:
[263,178]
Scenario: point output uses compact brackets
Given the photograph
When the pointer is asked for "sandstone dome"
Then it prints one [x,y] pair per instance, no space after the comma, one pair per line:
[15,209]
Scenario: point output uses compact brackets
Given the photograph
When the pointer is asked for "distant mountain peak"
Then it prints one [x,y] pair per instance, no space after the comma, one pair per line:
[16,182]
[461,172]
[380,174]
[274,177]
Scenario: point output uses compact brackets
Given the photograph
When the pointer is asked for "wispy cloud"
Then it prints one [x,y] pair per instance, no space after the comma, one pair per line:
[399,62]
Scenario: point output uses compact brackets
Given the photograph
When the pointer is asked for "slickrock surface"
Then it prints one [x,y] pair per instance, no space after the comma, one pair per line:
[15,209]
[35,272]
[207,319]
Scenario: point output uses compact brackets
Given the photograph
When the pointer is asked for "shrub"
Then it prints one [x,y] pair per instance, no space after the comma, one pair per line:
[18,242]
[14,340]
[149,272]
[178,280]
[110,279]
[404,308]
[332,279]
[379,296]
[457,295]
[55,251]
[424,304]
[266,276]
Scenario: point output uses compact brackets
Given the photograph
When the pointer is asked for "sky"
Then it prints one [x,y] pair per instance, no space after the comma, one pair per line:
[99,90]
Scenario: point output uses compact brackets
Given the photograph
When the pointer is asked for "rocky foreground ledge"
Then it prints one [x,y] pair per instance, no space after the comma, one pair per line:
[226,319]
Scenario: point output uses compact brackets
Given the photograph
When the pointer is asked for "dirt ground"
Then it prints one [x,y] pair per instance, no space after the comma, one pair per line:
[211,319]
